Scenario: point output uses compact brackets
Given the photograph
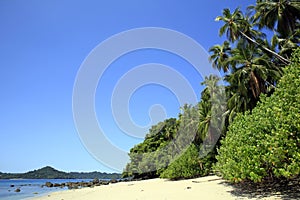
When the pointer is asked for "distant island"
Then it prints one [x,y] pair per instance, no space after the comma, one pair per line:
[51,173]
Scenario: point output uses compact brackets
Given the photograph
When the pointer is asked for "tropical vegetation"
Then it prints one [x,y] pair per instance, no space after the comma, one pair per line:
[265,142]
[248,129]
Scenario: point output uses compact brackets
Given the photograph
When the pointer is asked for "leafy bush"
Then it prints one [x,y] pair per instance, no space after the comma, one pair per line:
[266,142]
[188,165]
[167,151]
[149,158]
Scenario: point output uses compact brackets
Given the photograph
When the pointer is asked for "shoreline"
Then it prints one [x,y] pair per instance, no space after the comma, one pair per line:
[209,187]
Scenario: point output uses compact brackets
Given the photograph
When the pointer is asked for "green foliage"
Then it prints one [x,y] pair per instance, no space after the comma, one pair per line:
[148,158]
[266,142]
[281,16]
[252,63]
[263,136]
[161,153]
[188,165]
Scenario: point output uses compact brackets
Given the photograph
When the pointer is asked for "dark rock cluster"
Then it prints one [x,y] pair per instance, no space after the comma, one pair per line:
[77,185]
[18,190]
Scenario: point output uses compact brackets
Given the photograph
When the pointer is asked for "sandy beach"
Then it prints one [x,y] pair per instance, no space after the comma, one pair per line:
[211,187]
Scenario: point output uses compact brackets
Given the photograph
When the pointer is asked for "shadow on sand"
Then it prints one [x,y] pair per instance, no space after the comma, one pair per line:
[282,189]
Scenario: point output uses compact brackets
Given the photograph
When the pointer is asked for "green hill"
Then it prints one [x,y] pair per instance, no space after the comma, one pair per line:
[51,173]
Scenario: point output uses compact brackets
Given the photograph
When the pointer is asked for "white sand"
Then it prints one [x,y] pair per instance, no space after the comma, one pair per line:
[210,187]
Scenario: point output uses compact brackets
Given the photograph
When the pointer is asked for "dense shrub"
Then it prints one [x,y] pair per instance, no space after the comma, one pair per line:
[150,157]
[266,142]
[188,165]
[171,149]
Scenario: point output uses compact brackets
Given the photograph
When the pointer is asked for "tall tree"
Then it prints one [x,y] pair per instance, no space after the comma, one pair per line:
[281,15]
[287,44]
[220,55]
[211,113]
[252,72]
[236,26]
[251,67]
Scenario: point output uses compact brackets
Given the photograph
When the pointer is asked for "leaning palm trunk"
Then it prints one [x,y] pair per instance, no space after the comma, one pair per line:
[284,60]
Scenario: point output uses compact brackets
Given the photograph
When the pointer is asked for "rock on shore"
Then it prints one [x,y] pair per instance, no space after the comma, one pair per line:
[83,184]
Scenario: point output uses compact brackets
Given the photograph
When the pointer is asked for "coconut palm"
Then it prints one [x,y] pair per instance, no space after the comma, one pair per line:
[252,74]
[238,102]
[231,25]
[204,109]
[282,15]
[220,54]
[236,26]
[251,65]
[287,44]
[211,109]
[187,129]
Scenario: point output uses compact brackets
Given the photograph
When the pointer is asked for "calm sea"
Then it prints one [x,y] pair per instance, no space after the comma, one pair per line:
[30,187]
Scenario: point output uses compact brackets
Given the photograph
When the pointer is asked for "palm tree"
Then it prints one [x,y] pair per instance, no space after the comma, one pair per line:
[232,24]
[187,128]
[252,74]
[220,54]
[287,44]
[238,101]
[211,109]
[204,108]
[280,14]
[237,26]
[249,67]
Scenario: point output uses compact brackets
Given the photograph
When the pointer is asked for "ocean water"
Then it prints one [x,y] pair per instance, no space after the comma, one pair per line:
[30,187]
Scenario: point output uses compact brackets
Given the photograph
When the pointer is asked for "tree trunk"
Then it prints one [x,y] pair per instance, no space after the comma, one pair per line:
[284,60]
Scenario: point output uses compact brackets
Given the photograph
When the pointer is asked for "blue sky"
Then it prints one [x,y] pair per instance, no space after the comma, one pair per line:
[42,46]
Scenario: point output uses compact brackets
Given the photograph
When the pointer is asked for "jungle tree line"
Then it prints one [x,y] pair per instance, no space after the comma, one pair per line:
[258,46]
